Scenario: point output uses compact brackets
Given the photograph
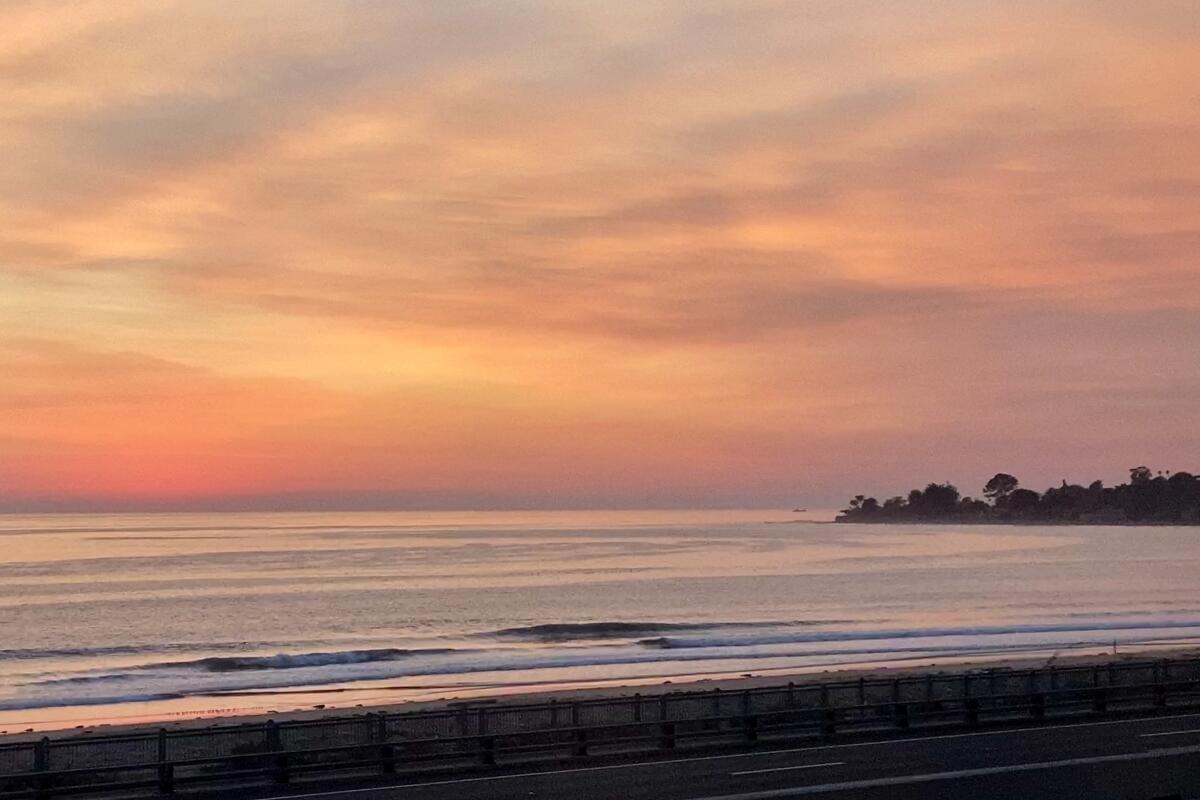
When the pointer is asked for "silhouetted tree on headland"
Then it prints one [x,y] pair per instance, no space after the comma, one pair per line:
[1000,486]
[1163,498]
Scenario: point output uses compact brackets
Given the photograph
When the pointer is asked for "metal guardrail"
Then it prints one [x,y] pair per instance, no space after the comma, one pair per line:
[162,762]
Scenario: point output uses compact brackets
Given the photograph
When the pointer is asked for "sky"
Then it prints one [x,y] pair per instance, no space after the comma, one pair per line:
[555,253]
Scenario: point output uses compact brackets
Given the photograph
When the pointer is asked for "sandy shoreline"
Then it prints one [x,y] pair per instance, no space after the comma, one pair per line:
[538,693]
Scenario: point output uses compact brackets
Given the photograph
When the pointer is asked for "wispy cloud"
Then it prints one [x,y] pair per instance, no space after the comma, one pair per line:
[540,249]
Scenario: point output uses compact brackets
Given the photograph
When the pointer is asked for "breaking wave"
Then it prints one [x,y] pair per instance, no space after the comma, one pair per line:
[297,661]
[980,632]
[620,630]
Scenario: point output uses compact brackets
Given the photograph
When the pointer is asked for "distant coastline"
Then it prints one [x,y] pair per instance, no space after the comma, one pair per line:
[1149,498]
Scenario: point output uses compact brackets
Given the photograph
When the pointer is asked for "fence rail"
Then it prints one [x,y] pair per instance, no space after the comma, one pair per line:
[469,736]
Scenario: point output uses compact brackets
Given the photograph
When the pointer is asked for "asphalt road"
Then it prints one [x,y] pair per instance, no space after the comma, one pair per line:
[1126,759]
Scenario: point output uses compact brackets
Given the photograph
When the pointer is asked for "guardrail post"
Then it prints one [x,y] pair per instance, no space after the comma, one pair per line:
[166,770]
[971,705]
[791,701]
[41,763]
[1100,700]
[1037,705]
[637,708]
[749,722]
[581,743]
[900,715]
[862,691]
[487,747]
[714,722]
[553,713]
[667,739]
[275,746]
[387,753]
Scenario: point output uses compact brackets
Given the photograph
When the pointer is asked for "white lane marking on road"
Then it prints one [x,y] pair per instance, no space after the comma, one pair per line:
[785,769]
[1168,733]
[750,754]
[930,777]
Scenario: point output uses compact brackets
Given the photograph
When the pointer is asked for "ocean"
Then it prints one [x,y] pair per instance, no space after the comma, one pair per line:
[156,616]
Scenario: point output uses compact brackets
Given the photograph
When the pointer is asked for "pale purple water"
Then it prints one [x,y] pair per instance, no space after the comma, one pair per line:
[105,616]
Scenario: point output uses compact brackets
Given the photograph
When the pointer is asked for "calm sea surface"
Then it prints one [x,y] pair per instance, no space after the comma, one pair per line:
[110,617]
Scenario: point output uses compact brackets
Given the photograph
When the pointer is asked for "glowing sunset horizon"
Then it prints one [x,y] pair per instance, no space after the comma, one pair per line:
[553,254]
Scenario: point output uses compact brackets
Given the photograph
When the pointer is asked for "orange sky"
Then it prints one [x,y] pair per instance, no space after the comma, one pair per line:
[547,252]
